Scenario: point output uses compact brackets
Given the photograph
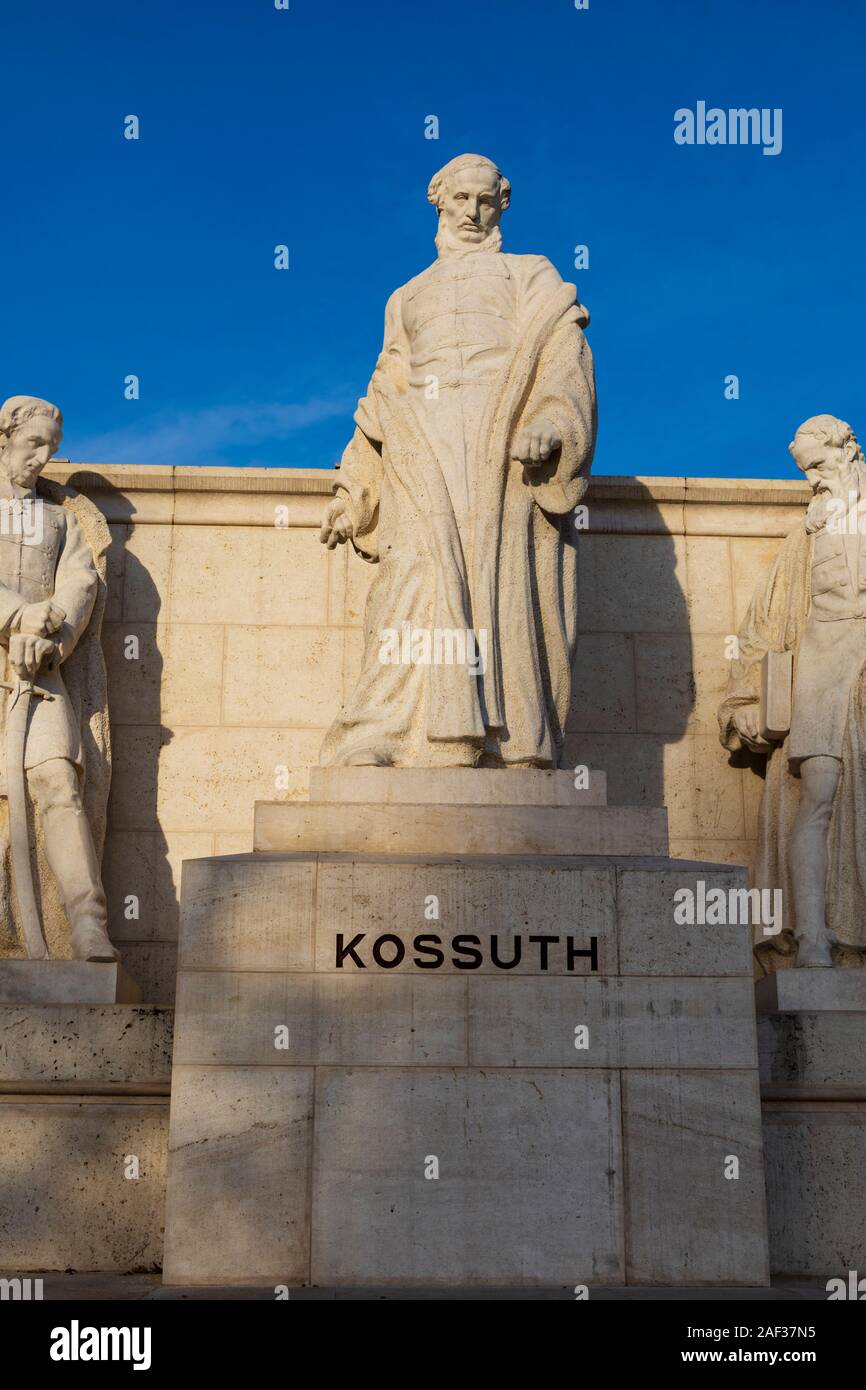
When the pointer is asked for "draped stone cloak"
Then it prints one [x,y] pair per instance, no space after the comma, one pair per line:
[465,538]
[775,621]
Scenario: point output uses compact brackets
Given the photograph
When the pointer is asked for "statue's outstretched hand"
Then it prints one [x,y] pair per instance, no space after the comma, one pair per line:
[337,524]
[745,721]
[27,653]
[535,443]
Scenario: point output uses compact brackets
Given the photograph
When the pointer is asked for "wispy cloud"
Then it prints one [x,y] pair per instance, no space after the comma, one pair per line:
[212,435]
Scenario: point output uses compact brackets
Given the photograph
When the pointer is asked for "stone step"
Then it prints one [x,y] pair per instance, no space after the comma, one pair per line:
[811,989]
[66,982]
[456,786]
[394,828]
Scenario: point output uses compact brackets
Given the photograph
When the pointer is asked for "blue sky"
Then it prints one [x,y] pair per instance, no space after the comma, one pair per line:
[306,127]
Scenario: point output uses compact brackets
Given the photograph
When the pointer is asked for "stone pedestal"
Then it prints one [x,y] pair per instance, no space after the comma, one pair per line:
[66,982]
[83,1132]
[812,1042]
[438,1070]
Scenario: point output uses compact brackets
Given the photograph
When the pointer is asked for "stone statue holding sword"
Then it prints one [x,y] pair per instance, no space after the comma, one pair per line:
[54,748]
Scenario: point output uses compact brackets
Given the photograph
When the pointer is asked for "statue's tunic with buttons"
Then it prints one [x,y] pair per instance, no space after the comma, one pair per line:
[56,563]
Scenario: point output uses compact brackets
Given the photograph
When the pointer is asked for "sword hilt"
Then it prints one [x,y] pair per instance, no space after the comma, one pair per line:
[26,685]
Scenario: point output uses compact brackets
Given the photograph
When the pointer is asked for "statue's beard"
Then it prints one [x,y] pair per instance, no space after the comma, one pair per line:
[449,244]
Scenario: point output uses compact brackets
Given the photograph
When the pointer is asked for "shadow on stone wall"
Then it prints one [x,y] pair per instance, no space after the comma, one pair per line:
[634,689]
[135,861]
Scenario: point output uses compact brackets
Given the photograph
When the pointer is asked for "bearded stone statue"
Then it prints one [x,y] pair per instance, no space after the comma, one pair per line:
[471,451]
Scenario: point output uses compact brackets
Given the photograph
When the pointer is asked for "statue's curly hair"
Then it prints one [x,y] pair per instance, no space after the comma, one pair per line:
[19,409]
[436,186]
[831,431]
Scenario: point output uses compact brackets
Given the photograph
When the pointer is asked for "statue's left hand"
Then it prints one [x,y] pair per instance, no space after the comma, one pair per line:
[536,442]
[27,653]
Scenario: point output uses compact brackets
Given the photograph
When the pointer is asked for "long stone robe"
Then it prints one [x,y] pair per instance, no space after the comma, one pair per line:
[777,620]
[465,539]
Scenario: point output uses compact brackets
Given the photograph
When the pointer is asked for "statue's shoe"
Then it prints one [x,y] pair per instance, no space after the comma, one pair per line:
[814,953]
[90,942]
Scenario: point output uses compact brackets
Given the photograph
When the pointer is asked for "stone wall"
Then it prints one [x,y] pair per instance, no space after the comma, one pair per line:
[249,634]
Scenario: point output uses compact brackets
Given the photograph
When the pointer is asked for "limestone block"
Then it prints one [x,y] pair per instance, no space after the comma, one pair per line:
[226,574]
[147,563]
[66,982]
[813,1054]
[652,943]
[174,679]
[603,687]
[285,511]
[286,827]
[756,519]
[814,1150]
[633,764]
[708,584]
[632,1022]
[282,675]
[153,966]
[94,1047]
[710,668]
[133,684]
[688,1223]
[233,1017]
[240,1143]
[750,558]
[703,794]
[632,583]
[707,851]
[210,778]
[453,786]
[233,841]
[513,1150]
[664,682]
[134,762]
[811,990]
[248,914]
[65,1202]
[146,866]
[191,673]
[507,899]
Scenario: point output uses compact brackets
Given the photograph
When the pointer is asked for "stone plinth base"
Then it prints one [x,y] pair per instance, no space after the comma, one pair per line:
[457,786]
[440,1072]
[66,982]
[813,1086]
[457,810]
[83,1135]
[395,828]
[811,990]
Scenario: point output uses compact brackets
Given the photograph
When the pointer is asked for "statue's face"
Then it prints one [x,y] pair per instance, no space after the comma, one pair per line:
[29,448]
[824,464]
[471,207]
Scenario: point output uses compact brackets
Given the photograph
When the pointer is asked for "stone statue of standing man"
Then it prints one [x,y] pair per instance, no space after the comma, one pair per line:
[54,751]
[812,603]
[472,449]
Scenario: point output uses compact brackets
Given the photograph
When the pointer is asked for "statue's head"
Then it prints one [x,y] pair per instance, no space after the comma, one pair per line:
[30,431]
[826,450]
[470,195]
